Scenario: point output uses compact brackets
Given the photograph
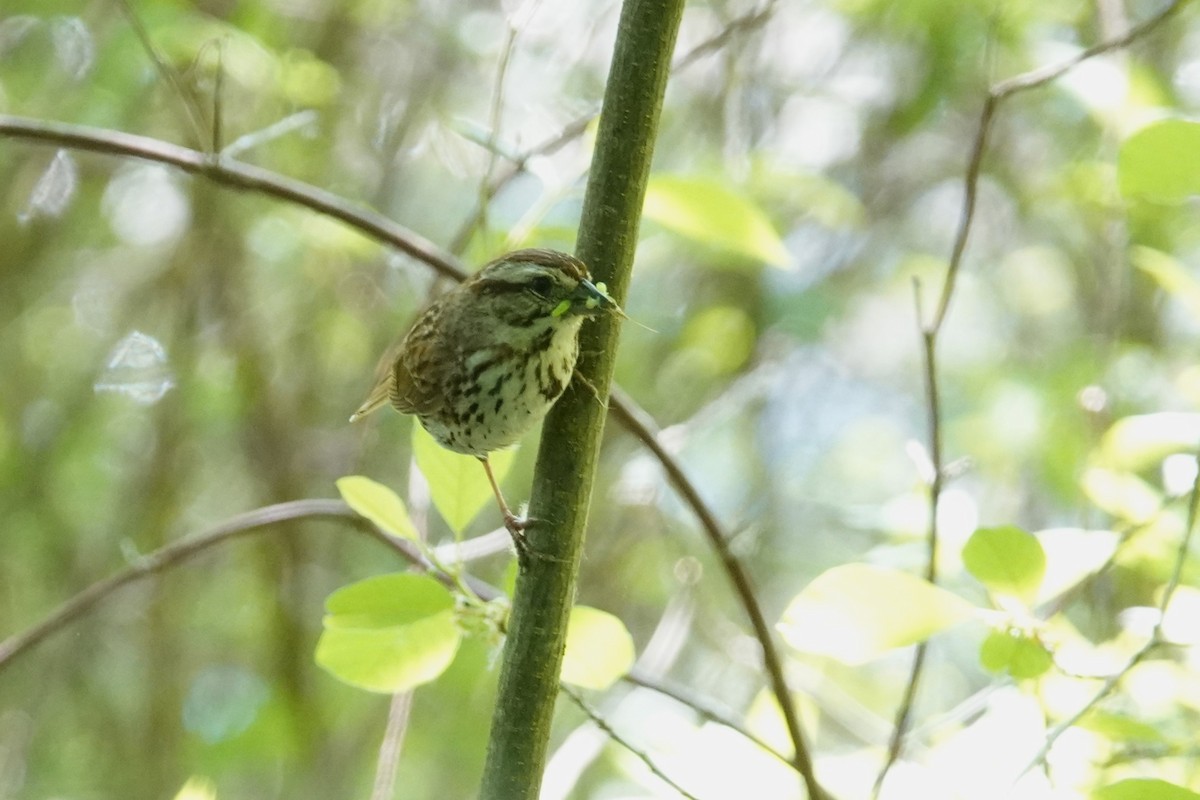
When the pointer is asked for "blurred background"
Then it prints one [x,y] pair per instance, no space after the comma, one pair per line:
[173,353]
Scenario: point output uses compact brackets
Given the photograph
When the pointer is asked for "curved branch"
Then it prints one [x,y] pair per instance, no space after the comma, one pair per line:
[703,707]
[164,558]
[600,722]
[236,175]
[622,410]
[1000,92]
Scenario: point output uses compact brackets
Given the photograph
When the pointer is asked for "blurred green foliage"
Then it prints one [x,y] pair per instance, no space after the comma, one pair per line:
[174,353]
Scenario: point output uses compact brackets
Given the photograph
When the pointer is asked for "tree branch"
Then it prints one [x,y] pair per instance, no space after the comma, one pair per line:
[235,175]
[160,560]
[603,725]
[931,329]
[622,410]
[704,708]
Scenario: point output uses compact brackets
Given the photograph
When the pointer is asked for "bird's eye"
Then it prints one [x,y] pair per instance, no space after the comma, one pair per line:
[541,286]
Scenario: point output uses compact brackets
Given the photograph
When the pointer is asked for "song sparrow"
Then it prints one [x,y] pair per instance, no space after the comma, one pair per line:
[488,359]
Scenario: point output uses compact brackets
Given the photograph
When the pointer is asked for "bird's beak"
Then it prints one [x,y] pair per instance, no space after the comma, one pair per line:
[590,299]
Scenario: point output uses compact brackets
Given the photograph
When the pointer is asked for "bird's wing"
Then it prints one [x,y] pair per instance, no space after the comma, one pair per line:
[418,376]
[413,374]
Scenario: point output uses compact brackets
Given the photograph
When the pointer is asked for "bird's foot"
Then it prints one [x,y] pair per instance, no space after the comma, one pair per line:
[516,529]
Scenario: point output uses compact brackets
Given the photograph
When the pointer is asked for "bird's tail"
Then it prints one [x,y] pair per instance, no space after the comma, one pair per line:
[378,397]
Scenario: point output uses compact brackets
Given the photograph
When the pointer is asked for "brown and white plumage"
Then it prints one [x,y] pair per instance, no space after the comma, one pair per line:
[486,361]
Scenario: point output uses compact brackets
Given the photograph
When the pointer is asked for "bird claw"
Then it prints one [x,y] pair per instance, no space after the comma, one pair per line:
[516,525]
[516,529]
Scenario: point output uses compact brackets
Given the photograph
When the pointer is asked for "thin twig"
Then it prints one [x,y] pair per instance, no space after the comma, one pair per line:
[1156,635]
[999,92]
[930,329]
[747,23]
[277,129]
[236,175]
[1040,77]
[218,126]
[570,132]
[165,71]
[966,220]
[622,409]
[577,127]
[603,725]
[251,522]
[389,749]
[704,707]
[510,41]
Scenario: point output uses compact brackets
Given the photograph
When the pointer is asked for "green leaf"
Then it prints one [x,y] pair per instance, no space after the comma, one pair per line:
[1159,162]
[457,483]
[709,212]
[857,612]
[1120,727]
[1171,275]
[1015,653]
[1181,625]
[599,649]
[389,633]
[1122,494]
[1144,440]
[197,788]
[379,504]
[1144,789]
[1072,555]
[1007,560]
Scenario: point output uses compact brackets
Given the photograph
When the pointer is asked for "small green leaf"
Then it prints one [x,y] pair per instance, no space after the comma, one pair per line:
[1144,789]
[197,788]
[709,212]
[379,504]
[1170,274]
[1181,625]
[857,612]
[389,633]
[1014,653]
[1124,495]
[1159,162]
[1144,440]
[1120,727]
[1007,560]
[1073,554]
[599,649]
[457,483]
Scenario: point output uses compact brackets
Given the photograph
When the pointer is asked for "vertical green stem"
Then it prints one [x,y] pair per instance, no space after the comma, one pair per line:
[571,435]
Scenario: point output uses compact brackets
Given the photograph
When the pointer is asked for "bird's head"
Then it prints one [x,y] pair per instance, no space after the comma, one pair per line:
[531,286]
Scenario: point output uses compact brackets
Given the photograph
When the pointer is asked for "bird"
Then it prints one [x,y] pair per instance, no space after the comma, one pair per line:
[486,361]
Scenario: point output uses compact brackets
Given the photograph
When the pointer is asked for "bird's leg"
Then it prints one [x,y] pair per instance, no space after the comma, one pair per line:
[591,389]
[516,525]
[511,520]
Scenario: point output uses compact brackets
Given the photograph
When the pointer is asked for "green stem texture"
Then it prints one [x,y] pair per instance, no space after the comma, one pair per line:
[571,435]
